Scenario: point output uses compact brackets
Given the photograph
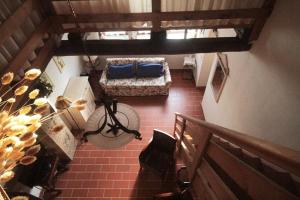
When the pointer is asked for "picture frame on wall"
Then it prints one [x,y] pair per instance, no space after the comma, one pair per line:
[220,75]
[59,62]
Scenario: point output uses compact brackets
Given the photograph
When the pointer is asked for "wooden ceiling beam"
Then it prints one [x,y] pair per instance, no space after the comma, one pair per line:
[67,0]
[30,45]
[16,19]
[95,29]
[156,8]
[49,11]
[152,46]
[48,7]
[41,62]
[45,54]
[163,16]
[260,21]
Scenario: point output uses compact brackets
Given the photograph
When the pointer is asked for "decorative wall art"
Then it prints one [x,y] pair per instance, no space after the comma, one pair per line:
[220,75]
[59,62]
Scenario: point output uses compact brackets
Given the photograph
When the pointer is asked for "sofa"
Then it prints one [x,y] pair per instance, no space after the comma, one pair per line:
[136,86]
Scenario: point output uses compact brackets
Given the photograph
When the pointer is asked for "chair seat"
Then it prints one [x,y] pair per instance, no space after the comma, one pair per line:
[159,154]
[159,161]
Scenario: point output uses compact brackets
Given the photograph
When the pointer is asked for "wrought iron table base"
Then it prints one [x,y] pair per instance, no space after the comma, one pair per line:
[115,124]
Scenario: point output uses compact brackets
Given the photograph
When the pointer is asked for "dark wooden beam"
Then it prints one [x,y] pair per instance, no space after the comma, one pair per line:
[49,11]
[153,46]
[45,54]
[16,19]
[156,8]
[163,16]
[95,29]
[30,45]
[260,21]
[70,0]
[41,62]
[48,8]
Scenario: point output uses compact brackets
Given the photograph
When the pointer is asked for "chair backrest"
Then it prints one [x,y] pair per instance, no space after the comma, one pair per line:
[163,141]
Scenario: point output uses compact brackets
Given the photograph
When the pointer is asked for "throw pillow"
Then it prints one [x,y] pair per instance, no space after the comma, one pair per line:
[149,70]
[121,71]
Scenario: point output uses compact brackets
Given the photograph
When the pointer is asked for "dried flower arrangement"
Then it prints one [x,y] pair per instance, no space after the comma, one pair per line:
[18,127]
[44,85]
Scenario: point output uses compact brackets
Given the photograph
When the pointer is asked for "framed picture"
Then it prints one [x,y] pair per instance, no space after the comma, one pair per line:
[220,75]
[59,62]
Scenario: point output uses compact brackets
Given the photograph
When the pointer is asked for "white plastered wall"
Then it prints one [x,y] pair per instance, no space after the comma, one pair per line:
[73,67]
[261,96]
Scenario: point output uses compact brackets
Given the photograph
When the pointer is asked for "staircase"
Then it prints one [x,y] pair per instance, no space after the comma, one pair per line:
[224,164]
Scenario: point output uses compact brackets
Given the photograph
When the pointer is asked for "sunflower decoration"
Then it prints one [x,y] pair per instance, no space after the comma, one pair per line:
[18,125]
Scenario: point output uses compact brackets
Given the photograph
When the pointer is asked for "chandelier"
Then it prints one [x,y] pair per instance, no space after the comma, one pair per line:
[18,124]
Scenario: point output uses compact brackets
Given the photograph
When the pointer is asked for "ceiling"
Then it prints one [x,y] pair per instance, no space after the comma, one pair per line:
[95,7]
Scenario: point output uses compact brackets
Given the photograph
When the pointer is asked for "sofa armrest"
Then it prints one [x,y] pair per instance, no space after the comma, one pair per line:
[103,79]
[168,78]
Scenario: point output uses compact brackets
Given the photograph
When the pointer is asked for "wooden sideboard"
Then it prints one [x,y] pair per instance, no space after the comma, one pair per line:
[79,88]
[62,143]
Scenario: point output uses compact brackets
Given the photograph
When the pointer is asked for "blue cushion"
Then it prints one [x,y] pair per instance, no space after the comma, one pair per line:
[121,71]
[149,70]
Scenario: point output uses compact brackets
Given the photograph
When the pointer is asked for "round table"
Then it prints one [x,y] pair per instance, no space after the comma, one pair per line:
[127,116]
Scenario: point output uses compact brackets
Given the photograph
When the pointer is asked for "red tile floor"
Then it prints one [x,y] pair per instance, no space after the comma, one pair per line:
[114,174]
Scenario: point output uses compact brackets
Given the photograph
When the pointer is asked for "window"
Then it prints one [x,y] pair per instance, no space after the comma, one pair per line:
[143,35]
[176,34]
[125,35]
[197,33]
[185,33]
[114,35]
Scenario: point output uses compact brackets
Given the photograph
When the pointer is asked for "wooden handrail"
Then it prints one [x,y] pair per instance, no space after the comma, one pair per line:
[286,158]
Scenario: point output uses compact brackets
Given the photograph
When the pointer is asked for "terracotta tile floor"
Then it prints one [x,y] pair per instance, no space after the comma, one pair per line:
[114,174]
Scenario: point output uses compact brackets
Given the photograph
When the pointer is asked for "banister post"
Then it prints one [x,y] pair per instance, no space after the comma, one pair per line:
[200,149]
[181,134]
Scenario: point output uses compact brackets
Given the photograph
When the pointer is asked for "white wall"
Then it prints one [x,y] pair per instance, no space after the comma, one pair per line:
[204,60]
[204,63]
[174,61]
[262,94]
[60,80]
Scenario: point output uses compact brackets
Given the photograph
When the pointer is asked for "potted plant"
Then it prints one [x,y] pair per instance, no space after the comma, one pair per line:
[44,85]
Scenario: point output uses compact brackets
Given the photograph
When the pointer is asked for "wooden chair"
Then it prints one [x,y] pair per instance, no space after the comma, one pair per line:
[183,184]
[159,154]
[183,195]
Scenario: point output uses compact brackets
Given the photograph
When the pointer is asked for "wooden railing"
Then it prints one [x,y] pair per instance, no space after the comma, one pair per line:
[225,164]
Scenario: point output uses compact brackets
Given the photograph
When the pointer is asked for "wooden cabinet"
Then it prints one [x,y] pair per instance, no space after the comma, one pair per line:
[62,143]
[79,88]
